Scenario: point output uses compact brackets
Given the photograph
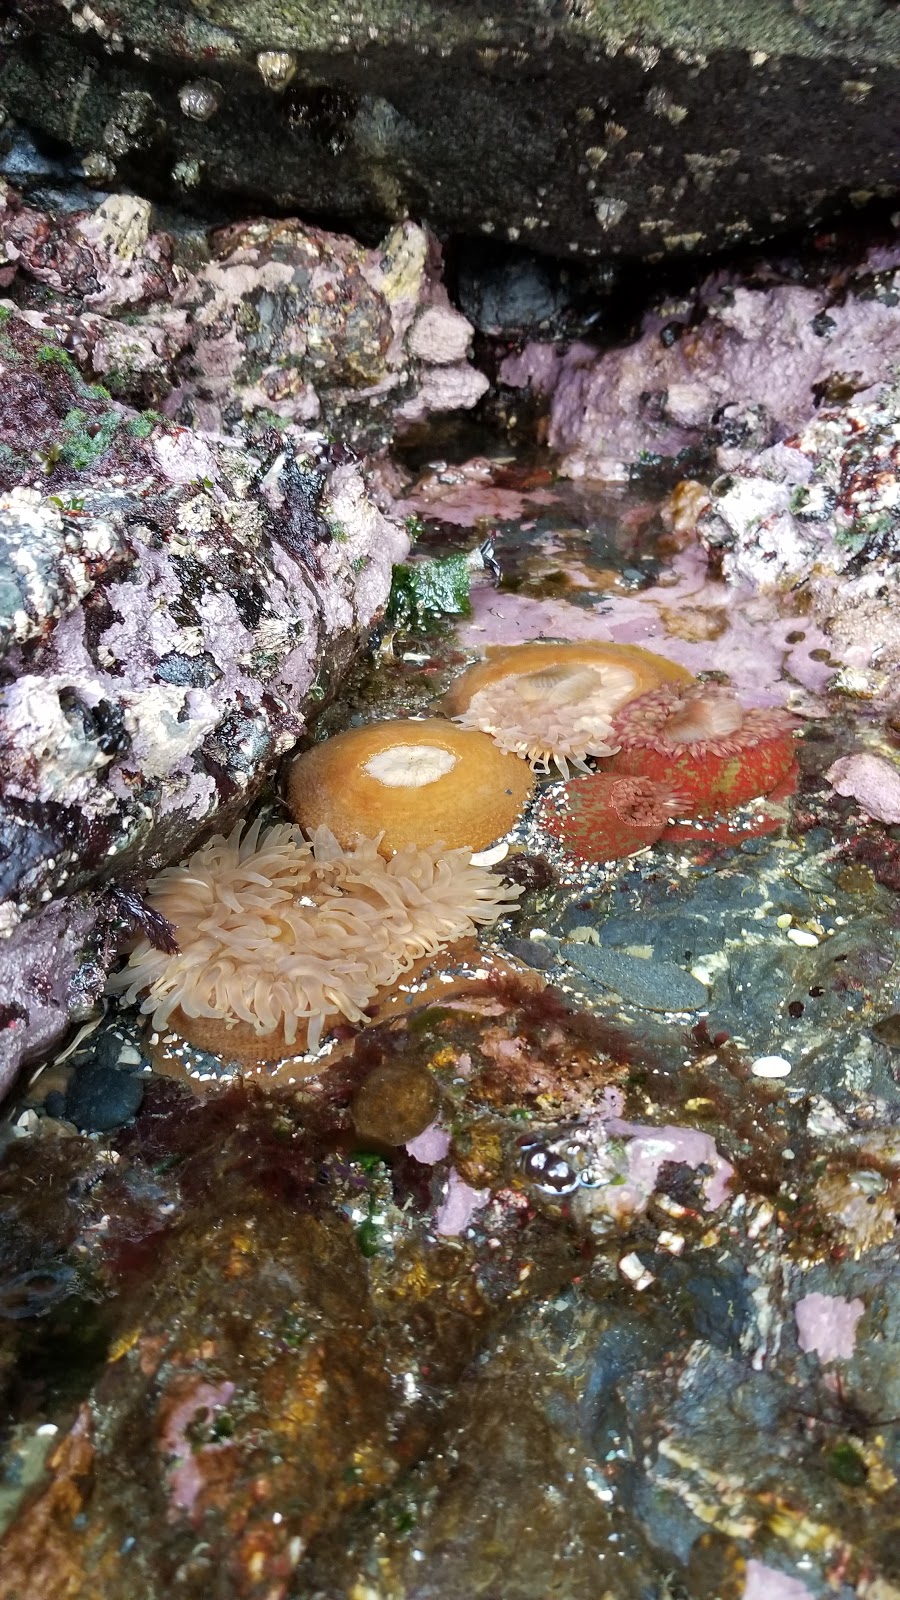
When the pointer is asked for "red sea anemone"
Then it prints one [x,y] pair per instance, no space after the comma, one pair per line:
[703,743]
[604,817]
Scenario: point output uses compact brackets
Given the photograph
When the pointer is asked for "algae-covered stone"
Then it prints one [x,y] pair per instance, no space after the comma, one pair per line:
[171,607]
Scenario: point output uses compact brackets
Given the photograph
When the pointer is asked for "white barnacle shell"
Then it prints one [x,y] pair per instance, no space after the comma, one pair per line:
[276,68]
[200,99]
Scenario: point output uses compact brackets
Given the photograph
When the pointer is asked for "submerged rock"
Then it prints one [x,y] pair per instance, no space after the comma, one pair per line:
[654,984]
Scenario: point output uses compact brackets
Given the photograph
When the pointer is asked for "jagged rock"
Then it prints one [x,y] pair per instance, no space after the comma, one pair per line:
[732,365]
[170,607]
[791,392]
[569,126]
[272,320]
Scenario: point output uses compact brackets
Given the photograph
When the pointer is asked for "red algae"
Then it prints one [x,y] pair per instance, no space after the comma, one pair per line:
[701,741]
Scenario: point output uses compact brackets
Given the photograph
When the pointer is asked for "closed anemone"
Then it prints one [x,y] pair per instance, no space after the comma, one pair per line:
[276,933]
[417,782]
[604,817]
[554,704]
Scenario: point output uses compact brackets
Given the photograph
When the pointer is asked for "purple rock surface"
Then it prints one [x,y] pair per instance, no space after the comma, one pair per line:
[171,606]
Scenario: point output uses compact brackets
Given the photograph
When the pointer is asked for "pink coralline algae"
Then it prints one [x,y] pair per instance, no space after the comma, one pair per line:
[767,1583]
[826,1325]
[429,1146]
[759,353]
[760,650]
[458,1206]
[607,1168]
[465,494]
[345,326]
[649,1148]
[186,1474]
[872,781]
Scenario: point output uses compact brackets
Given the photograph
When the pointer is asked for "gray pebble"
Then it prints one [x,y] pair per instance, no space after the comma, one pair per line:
[655,985]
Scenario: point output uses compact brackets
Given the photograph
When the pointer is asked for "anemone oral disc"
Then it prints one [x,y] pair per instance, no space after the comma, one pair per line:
[410,766]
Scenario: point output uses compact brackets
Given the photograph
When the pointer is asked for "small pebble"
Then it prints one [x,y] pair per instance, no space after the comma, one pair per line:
[101,1098]
[802,937]
[396,1103]
[770,1067]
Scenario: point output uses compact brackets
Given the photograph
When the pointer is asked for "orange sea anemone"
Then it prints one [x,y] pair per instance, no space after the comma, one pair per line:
[703,743]
[604,817]
[554,702]
[415,783]
[276,933]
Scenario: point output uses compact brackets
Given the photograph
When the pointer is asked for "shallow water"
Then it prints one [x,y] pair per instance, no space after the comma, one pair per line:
[620,1319]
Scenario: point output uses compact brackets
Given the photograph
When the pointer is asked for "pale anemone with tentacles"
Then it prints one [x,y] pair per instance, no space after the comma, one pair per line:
[277,933]
[553,704]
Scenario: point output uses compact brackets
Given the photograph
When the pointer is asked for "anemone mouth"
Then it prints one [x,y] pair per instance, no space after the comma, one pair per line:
[644,804]
[558,714]
[706,720]
[410,766]
[279,932]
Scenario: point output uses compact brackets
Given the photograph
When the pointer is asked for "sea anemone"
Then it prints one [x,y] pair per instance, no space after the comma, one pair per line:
[603,817]
[415,783]
[700,740]
[554,702]
[276,933]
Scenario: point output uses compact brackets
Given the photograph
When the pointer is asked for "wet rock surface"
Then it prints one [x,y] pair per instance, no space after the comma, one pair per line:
[570,1268]
[670,1368]
[782,398]
[665,130]
[174,605]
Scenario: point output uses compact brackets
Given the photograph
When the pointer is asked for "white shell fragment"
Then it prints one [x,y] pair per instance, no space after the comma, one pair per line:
[490,857]
[770,1067]
[632,1268]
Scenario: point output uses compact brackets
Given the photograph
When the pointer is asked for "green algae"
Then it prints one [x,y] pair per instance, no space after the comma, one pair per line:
[425,591]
